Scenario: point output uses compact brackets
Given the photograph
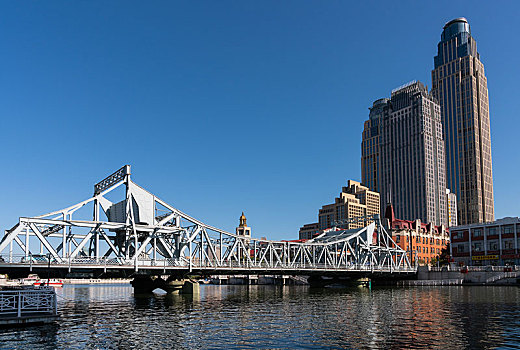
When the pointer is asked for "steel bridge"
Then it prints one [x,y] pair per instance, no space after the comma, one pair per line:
[138,233]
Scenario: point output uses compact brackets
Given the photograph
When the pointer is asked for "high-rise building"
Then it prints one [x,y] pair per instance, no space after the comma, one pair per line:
[403,154]
[370,159]
[460,86]
[354,201]
[451,201]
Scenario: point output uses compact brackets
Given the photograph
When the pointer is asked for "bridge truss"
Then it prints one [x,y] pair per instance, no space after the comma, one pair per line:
[142,232]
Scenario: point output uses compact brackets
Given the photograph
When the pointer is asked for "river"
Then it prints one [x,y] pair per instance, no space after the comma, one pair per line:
[275,317]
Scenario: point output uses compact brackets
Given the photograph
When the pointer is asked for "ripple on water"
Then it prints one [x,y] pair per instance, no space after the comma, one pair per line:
[270,317]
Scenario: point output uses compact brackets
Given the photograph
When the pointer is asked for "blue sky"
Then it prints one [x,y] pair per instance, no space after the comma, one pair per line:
[224,107]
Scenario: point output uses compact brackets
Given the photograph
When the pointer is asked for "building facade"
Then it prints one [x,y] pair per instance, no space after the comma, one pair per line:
[460,86]
[423,242]
[403,154]
[309,230]
[355,200]
[451,202]
[493,243]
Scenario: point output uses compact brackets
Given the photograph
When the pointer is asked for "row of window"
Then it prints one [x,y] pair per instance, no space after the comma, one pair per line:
[423,240]
[491,246]
[490,231]
[432,250]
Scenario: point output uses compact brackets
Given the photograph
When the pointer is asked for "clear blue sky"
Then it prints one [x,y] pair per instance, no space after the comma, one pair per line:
[223,107]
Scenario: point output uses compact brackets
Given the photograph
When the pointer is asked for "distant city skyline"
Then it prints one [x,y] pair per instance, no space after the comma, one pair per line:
[223,108]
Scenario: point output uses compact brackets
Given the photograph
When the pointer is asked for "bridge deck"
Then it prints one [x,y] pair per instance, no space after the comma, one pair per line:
[158,269]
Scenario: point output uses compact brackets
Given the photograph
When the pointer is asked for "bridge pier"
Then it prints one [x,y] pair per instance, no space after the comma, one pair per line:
[321,281]
[143,284]
[147,284]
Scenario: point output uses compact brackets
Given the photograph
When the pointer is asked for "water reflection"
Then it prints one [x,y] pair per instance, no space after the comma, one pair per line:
[111,316]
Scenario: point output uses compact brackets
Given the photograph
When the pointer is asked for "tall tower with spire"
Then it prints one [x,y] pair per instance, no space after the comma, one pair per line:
[460,86]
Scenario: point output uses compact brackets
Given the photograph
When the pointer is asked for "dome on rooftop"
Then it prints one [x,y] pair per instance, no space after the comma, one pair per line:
[460,19]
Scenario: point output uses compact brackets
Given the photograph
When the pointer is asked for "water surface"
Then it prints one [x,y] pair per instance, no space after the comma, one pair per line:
[275,317]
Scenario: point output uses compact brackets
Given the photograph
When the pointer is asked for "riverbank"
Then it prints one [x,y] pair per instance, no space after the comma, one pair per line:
[96,281]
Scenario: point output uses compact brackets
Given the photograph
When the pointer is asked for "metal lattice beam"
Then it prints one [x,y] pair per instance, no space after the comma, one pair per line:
[137,234]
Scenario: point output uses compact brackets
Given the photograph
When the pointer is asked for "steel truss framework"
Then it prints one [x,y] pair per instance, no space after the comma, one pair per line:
[170,238]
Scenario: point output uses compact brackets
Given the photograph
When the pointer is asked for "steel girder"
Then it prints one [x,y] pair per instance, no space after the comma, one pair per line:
[175,239]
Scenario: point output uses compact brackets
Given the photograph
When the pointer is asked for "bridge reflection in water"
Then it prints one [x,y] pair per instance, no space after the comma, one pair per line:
[242,317]
[140,234]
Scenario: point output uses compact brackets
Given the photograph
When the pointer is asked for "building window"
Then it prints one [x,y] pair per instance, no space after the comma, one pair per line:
[457,235]
[508,244]
[492,231]
[397,238]
[477,232]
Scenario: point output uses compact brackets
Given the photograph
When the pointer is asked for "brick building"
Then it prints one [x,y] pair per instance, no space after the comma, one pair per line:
[423,241]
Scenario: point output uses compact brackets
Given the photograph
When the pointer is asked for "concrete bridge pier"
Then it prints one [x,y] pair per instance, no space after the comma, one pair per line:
[143,284]
[146,284]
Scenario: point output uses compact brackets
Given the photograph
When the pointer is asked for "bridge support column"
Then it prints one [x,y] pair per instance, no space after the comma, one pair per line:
[143,284]
[181,285]
[190,287]
[364,282]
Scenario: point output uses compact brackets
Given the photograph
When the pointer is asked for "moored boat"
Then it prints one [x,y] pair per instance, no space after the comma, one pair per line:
[53,282]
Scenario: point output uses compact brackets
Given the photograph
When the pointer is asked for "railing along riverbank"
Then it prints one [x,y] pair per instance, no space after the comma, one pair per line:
[27,305]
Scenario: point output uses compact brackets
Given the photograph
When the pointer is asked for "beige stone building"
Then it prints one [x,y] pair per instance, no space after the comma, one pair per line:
[309,230]
[402,154]
[355,200]
[460,86]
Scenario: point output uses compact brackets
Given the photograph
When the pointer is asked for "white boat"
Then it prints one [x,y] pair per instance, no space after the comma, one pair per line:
[34,280]
[53,282]
[30,280]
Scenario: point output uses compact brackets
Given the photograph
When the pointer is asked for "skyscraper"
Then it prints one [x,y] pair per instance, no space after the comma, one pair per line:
[403,154]
[460,86]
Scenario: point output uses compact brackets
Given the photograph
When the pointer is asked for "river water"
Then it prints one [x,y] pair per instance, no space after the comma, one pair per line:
[275,317]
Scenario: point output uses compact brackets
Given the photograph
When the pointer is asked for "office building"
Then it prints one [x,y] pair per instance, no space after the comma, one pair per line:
[403,154]
[460,86]
[354,201]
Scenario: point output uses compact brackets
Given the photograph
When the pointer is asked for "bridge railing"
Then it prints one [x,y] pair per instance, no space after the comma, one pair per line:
[104,262]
